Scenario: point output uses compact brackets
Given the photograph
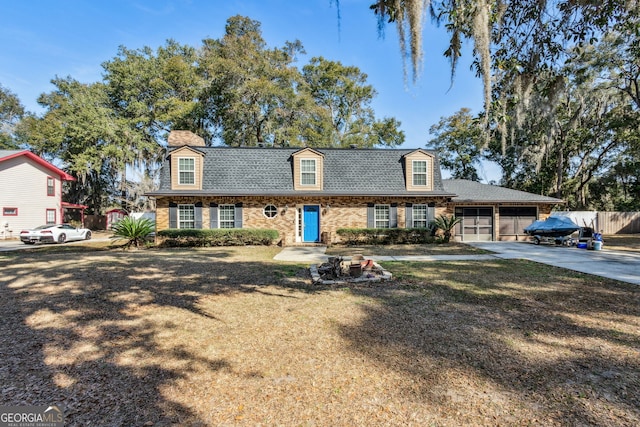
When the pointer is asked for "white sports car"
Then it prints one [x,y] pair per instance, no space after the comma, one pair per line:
[52,233]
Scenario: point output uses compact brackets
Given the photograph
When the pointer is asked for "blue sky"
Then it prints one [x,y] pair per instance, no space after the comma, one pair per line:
[41,39]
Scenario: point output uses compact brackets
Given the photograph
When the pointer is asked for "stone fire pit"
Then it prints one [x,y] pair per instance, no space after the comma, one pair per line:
[355,269]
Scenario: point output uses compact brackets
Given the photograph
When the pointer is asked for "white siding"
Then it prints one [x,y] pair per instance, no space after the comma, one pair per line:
[23,185]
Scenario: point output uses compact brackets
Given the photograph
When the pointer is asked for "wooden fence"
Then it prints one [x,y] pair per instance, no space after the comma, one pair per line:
[618,222]
[95,222]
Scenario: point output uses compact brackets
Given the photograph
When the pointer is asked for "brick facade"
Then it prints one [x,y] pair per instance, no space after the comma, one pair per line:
[335,212]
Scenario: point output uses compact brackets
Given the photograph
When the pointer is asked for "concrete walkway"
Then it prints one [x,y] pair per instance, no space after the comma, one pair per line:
[618,265]
[310,254]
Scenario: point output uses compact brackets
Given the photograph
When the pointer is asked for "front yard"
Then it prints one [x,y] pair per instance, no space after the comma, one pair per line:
[227,336]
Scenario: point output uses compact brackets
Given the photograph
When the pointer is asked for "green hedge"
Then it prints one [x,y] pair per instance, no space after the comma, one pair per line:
[386,236]
[216,237]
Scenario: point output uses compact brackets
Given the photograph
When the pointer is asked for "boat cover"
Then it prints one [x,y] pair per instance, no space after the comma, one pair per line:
[552,227]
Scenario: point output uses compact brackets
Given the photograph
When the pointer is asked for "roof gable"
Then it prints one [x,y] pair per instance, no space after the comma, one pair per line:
[419,152]
[185,149]
[12,154]
[307,150]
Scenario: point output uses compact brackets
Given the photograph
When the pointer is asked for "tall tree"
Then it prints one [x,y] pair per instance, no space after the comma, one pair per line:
[510,37]
[154,92]
[251,97]
[568,131]
[81,130]
[345,98]
[256,95]
[11,112]
[459,141]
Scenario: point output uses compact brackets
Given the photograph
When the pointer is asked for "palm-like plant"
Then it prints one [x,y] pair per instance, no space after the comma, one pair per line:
[446,224]
[135,231]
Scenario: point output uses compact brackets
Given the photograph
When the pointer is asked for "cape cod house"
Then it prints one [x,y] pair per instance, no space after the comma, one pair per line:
[306,194]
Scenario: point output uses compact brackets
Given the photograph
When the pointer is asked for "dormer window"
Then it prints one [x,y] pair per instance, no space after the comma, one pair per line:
[419,169]
[186,171]
[308,172]
[419,173]
[308,166]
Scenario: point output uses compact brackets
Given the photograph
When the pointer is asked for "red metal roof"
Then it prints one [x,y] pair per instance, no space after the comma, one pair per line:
[73,206]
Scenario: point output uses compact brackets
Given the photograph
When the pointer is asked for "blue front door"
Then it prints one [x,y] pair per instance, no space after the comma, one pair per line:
[311,224]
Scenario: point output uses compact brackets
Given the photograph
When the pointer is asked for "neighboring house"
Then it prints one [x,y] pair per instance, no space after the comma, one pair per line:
[307,194]
[30,191]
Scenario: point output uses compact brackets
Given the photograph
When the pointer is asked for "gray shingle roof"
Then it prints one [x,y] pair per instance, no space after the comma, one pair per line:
[269,171]
[475,192]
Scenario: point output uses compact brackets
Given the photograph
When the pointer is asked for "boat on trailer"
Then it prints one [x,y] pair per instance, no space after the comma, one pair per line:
[557,228]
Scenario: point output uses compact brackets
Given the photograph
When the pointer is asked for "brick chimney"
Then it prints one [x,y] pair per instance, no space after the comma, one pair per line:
[178,138]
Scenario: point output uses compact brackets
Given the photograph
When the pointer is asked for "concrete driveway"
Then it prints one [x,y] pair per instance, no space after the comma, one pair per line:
[12,245]
[619,265]
[16,245]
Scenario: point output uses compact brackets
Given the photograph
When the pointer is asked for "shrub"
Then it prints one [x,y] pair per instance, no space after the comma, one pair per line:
[217,237]
[386,236]
[135,231]
[446,224]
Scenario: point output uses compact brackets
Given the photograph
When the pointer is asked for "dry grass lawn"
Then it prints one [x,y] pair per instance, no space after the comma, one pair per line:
[623,242]
[226,336]
[452,248]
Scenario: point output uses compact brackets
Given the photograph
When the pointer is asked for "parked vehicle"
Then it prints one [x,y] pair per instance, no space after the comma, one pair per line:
[54,233]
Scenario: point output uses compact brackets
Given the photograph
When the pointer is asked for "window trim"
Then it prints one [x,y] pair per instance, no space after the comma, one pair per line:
[6,208]
[181,171]
[415,174]
[180,221]
[274,210]
[232,221]
[303,172]
[420,206]
[375,216]
[51,189]
[55,216]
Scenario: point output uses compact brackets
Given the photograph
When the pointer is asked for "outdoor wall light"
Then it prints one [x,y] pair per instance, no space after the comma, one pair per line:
[286,208]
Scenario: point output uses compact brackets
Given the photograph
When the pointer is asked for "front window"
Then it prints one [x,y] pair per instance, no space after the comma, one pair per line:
[186,171]
[420,216]
[51,216]
[307,171]
[381,216]
[10,211]
[227,216]
[420,173]
[186,216]
[51,189]
[270,211]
